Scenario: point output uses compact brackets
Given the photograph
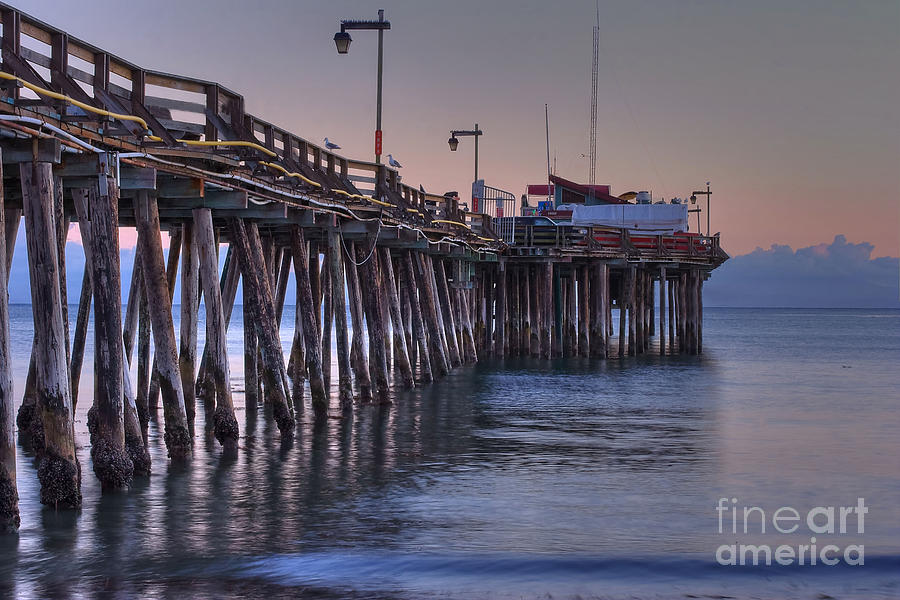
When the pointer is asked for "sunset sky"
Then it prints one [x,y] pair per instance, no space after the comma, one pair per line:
[788,108]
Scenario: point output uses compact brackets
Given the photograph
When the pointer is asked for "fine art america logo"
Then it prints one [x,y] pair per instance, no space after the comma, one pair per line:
[817,521]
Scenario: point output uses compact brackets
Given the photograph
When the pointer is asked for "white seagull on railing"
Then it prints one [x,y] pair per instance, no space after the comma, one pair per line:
[394,163]
[331,145]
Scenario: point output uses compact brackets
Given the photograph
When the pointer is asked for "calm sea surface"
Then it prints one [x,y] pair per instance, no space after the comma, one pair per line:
[511,479]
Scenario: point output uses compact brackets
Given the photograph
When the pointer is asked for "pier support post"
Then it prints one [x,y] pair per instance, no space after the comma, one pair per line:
[368,271]
[251,352]
[671,307]
[359,359]
[62,232]
[501,311]
[584,340]
[58,469]
[143,352]
[327,318]
[651,306]
[570,341]
[106,419]
[534,310]
[401,352]
[546,308]
[135,293]
[440,365]
[699,312]
[488,308]
[224,423]
[205,386]
[338,299]
[637,309]
[9,494]
[80,337]
[467,319]
[406,309]
[632,313]
[662,311]
[315,284]
[190,308]
[306,304]
[623,321]
[430,279]
[557,308]
[284,275]
[513,319]
[171,273]
[449,327]
[597,291]
[682,312]
[407,280]
[177,436]
[259,294]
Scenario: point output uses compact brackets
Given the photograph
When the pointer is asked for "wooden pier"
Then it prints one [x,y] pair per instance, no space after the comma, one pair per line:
[90,138]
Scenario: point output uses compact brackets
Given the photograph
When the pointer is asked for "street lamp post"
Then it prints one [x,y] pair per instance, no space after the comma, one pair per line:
[454,142]
[708,195]
[342,41]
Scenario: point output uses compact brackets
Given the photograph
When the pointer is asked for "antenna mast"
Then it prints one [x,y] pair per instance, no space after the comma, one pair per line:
[547,126]
[592,176]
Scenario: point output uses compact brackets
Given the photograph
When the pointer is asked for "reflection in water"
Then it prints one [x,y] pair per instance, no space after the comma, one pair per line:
[508,479]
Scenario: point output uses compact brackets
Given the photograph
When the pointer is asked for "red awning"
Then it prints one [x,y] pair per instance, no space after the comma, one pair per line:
[539,190]
[600,192]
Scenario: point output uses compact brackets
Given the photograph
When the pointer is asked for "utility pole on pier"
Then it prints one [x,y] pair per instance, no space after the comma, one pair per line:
[342,41]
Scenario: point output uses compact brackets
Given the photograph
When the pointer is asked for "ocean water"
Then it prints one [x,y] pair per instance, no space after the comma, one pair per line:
[512,479]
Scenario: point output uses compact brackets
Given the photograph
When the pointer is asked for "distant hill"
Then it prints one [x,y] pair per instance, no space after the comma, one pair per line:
[836,275]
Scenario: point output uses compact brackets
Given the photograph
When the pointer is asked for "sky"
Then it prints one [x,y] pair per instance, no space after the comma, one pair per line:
[787,108]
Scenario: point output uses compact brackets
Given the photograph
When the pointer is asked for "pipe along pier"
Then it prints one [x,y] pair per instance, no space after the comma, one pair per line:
[406,284]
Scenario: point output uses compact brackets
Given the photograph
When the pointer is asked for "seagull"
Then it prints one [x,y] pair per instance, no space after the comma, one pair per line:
[421,188]
[331,145]
[393,162]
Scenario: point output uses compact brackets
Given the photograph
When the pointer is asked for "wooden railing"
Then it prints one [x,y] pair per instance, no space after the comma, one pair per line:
[613,241]
[177,109]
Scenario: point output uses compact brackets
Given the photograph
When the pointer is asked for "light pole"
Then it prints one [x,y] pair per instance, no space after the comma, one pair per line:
[342,41]
[454,142]
[708,195]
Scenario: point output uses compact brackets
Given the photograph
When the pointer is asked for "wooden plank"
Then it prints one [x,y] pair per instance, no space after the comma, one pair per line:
[21,150]
[179,188]
[174,82]
[219,200]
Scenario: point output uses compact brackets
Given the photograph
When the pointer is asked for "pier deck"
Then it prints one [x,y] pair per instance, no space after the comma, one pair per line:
[91,138]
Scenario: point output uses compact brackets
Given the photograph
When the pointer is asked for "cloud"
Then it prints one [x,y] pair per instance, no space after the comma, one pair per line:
[836,275]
